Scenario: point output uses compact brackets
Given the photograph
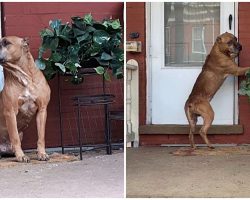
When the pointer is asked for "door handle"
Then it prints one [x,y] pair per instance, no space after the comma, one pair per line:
[230,19]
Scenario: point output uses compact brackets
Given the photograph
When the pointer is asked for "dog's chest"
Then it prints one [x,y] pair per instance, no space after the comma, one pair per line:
[27,105]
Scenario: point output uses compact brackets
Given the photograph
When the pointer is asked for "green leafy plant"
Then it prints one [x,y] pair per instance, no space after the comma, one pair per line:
[84,43]
[245,86]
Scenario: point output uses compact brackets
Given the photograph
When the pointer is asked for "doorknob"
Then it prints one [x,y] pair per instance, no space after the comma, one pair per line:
[230,19]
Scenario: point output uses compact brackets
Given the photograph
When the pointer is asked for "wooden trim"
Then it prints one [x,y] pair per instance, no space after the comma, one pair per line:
[172,129]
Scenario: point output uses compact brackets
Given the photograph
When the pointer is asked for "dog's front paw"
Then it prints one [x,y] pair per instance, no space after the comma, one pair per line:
[211,147]
[23,158]
[42,156]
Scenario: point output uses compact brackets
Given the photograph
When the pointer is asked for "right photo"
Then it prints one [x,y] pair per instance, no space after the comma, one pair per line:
[187,99]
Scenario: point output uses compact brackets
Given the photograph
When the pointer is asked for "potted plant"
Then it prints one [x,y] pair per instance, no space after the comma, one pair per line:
[245,86]
[67,48]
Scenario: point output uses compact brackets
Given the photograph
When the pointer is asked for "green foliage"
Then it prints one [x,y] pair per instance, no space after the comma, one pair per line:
[245,86]
[82,44]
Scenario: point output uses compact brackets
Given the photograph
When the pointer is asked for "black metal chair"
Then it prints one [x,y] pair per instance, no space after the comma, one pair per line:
[92,100]
[114,115]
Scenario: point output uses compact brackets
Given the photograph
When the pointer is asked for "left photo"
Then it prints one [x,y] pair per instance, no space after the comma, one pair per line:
[62,99]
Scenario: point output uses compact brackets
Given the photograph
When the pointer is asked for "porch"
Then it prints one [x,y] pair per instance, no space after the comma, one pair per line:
[155,172]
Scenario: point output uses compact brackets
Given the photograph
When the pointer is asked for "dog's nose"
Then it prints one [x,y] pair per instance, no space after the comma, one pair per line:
[2,60]
[239,47]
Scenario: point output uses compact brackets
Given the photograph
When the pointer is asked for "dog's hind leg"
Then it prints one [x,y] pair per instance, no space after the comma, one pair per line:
[192,120]
[205,110]
[192,131]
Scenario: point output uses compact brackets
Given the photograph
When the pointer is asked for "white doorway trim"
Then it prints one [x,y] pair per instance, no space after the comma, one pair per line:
[148,64]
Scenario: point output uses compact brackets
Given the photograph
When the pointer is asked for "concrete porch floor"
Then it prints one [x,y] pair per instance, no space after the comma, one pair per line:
[155,172]
[97,175]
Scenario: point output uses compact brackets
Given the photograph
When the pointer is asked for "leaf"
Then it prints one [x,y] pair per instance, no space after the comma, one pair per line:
[64,38]
[248,92]
[78,32]
[46,32]
[50,43]
[83,37]
[54,43]
[41,51]
[119,75]
[79,23]
[94,49]
[99,26]
[55,24]
[90,29]
[40,64]
[105,23]
[118,54]
[114,43]
[100,36]
[243,83]
[49,71]
[242,91]
[102,62]
[116,64]
[72,67]
[61,66]
[106,56]
[107,76]
[248,74]
[73,52]
[55,57]
[78,65]
[115,24]
[99,70]
[64,29]
[88,19]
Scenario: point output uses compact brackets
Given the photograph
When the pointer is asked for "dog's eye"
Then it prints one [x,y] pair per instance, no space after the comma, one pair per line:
[5,43]
[230,42]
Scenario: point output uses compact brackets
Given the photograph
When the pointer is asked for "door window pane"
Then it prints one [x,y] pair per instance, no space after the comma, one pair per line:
[190,30]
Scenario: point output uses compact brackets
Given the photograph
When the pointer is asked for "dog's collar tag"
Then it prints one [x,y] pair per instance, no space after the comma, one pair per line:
[1,78]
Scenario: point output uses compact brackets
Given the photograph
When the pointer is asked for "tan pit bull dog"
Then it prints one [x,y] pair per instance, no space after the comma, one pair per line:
[25,93]
[218,65]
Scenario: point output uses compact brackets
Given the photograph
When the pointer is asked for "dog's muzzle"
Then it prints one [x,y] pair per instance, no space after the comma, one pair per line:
[239,47]
[2,60]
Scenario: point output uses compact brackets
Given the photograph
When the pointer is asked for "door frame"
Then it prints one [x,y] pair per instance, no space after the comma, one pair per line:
[149,65]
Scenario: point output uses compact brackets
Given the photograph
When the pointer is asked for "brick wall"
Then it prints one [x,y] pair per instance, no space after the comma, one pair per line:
[136,22]
[26,20]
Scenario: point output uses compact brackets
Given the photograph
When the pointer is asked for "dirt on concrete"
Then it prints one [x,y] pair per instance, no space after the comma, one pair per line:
[97,175]
[10,161]
[175,172]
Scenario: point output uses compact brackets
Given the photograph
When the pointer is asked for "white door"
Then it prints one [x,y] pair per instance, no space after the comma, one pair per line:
[182,34]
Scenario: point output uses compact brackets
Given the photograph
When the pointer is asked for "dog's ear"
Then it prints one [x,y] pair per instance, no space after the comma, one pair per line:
[218,39]
[25,42]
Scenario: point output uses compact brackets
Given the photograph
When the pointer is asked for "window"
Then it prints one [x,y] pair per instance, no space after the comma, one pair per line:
[190,29]
[198,45]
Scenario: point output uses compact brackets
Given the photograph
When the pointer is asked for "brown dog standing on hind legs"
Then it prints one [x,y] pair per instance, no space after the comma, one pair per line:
[218,65]
[25,93]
